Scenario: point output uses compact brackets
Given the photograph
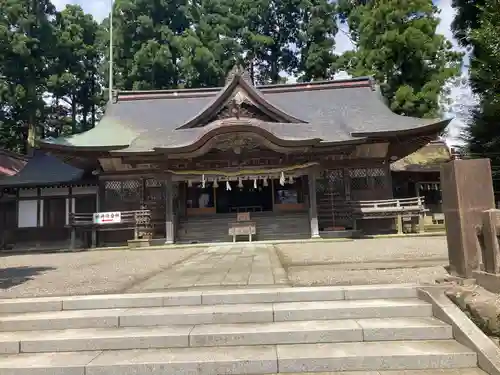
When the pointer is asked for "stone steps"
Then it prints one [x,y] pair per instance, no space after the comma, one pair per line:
[216,314]
[207,297]
[209,335]
[243,331]
[264,359]
[270,226]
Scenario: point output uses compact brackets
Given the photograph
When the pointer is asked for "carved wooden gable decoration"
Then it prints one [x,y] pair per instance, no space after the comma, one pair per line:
[239,99]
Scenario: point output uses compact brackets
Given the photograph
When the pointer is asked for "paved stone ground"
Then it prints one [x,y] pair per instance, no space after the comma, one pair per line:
[235,265]
[374,261]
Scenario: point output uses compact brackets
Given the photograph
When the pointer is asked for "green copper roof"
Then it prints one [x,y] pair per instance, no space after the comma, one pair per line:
[330,111]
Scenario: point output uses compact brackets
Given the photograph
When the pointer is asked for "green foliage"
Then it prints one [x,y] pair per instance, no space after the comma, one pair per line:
[485,64]
[74,75]
[317,41]
[483,37]
[397,44]
[25,32]
[467,13]
[49,83]
[197,42]
[54,65]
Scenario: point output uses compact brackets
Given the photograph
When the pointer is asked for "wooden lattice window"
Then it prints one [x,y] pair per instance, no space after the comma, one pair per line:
[378,177]
[359,179]
[123,195]
[367,178]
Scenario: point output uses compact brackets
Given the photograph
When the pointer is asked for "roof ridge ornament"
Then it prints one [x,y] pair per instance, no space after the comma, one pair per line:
[238,71]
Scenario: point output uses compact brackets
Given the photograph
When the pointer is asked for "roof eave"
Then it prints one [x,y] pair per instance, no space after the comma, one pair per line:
[71,148]
[34,184]
[432,128]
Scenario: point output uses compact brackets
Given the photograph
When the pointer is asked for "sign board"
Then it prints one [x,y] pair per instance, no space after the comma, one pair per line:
[243,216]
[107,217]
[242,230]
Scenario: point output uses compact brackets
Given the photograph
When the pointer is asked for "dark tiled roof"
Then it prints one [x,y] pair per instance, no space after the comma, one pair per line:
[43,169]
[332,111]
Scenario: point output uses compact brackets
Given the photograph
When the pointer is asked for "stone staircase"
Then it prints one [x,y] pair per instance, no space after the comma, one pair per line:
[258,331]
[270,226]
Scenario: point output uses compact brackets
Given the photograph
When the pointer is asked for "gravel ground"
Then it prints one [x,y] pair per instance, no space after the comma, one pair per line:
[325,275]
[375,261]
[364,250]
[83,273]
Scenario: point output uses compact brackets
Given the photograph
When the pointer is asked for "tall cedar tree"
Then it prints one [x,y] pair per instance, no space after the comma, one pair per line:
[317,41]
[26,35]
[148,43]
[46,57]
[74,81]
[397,43]
[483,36]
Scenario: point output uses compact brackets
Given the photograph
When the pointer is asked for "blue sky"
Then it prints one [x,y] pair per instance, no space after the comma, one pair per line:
[461,96]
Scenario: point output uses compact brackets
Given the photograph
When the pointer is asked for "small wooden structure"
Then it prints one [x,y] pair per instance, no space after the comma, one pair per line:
[243,226]
[137,221]
[397,209]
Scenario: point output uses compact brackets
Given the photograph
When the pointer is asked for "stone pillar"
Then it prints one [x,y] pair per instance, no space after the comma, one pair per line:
[169,210]
[490,246]
[313,206]
[467,190]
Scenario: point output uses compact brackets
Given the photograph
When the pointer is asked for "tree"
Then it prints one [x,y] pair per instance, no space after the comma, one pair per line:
[268,31]
[74,81]
[398,45]
[148,43]
[483,134]
[317,40]
[467,13]
[26,38]
[210,46]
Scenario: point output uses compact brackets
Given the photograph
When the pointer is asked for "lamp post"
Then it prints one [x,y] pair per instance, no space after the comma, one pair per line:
[111,52]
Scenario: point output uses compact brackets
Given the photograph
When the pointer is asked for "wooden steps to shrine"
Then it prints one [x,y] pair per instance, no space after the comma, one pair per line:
[270,226]
[245,331]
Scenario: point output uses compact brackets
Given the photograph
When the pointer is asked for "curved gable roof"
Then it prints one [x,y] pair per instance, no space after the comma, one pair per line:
[225,94]
[331,111]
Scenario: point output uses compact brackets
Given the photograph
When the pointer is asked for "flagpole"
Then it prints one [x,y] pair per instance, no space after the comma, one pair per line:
[111,53]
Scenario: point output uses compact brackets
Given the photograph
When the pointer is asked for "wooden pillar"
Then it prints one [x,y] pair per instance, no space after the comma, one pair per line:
[273,197]
[313,206]
[467,188]
[169,210]
[39,208]
[70,209]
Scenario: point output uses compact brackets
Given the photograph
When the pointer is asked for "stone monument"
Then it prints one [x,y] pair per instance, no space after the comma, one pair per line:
[467,190]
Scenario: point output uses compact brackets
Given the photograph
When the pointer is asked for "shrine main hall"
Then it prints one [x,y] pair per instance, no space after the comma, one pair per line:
[291,155]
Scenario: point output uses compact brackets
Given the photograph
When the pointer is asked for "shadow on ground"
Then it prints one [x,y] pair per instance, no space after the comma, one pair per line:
[14,276]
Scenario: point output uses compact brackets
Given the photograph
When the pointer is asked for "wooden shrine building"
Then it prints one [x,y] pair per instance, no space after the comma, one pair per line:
[290,154]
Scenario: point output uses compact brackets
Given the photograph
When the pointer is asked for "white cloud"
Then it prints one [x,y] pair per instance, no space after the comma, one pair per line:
[98,8]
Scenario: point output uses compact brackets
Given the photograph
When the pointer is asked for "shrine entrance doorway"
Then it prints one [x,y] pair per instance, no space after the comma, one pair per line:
[244,196]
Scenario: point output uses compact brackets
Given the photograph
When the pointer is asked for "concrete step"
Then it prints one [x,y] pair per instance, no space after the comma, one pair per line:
[302,332]
[207,297]
[266,359]
[216,314]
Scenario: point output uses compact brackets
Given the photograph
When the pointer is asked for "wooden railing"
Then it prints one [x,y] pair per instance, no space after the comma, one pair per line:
[139,221]
[390,209]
